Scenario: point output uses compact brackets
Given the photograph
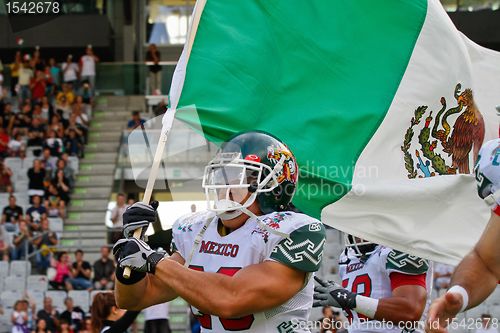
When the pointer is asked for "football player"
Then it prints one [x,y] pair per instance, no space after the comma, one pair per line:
[246,263]
[383,290]
[478,273]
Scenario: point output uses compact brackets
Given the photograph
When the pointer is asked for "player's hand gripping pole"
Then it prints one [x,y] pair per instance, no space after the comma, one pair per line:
[167,122]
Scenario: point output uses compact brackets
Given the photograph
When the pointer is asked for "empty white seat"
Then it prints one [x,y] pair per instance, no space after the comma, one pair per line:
[21,185]
[37,296]
[13,282]
[37,282]
[56,224]
[27,163]
[14,163]
[80,298]
[22,198]
[95,292]
[9,297]
[30,151]
[58,297]
[74,163]
[21,268]
[4,269]
[494,298]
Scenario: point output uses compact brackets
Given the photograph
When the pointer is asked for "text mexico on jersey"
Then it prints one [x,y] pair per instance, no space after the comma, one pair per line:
[372,277]
[252,244]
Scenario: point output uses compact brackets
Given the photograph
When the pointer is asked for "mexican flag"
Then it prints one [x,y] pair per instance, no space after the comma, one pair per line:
[385,104]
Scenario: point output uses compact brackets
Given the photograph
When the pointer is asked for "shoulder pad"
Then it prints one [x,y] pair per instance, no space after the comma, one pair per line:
[287,222]
[405,263]
[189,222]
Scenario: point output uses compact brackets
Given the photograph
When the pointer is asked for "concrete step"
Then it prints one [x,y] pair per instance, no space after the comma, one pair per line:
[85,218]
[100,158]
[107,126]
[83,242]
[101,227]
[94,181]
[104,135]
[112,115]
[91,193]
[99,147]
[84,234]
[88,205]
[96,169]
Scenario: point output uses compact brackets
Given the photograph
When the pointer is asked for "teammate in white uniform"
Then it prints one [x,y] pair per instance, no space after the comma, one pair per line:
[383,290]
[246,264]
[478,274]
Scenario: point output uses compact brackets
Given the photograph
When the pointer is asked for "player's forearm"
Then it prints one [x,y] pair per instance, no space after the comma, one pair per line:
[209,292]
[473,275]
[399,309]
[129,296]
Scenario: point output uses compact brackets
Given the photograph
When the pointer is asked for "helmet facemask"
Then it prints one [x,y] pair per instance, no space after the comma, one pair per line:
[232,183]
[360,246]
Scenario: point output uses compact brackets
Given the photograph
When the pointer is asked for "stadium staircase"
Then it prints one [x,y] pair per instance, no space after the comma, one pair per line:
[85,224]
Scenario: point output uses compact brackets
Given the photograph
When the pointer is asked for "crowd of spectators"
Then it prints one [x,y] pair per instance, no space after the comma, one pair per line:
[44,118]
[26,318]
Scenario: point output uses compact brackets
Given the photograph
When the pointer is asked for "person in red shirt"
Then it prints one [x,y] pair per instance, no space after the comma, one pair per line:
[4,142]
[38,86]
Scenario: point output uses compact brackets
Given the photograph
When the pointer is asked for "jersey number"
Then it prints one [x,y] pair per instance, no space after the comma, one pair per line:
[360,280]
[235,324]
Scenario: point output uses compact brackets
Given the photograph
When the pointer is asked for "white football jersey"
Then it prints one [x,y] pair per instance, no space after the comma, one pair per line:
[252,244]
[371,278]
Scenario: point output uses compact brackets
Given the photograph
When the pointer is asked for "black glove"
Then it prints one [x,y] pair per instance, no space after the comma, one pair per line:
[330,293]
[138,256]
[139,215]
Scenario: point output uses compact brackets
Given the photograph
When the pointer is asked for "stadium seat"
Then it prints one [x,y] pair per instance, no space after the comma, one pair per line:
[5,324]
[4,269]
[74,163]
[21,268]
[37,283]
[37,296]
[95,292]
[80,298]
[22,198]
[477,311]
[9,297]
[30,151]
[56,224]
[21,186]
[494,298]
[14,163]
[13,282]
[27,163]
[58,297]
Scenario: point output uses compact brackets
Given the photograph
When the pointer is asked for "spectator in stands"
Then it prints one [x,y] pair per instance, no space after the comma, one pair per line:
[104,271]
[63,107]
[87,327]
[486,325]
[66,91]
[107,317]
[63,271]
[48,161]
[47,109]
[36,176]
[36,133]
[41,327]
[81,120]
[53,203]
[70,71]
[36,212]
[5,244]
[5,175]
[64,326]
[54,143]
[156,319]
[69,173]
[49,315]
[74,315]
[117,217]
[4,143]
[21,244]
[44,242]
[25,76]
[73,144]
[19,318]
[55,72]
[15,67]
[8,118]
[15,146]
[442,276]
[87,67]
[80,273]
[56,125]
[38,86]
[62,185]
[153,55]
[86,96]
[135,121]
[12,213]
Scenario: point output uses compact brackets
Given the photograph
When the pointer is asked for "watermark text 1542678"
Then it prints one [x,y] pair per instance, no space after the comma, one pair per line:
[32,7]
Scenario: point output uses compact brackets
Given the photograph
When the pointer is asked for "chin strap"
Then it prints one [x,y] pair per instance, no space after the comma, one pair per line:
[493,198]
